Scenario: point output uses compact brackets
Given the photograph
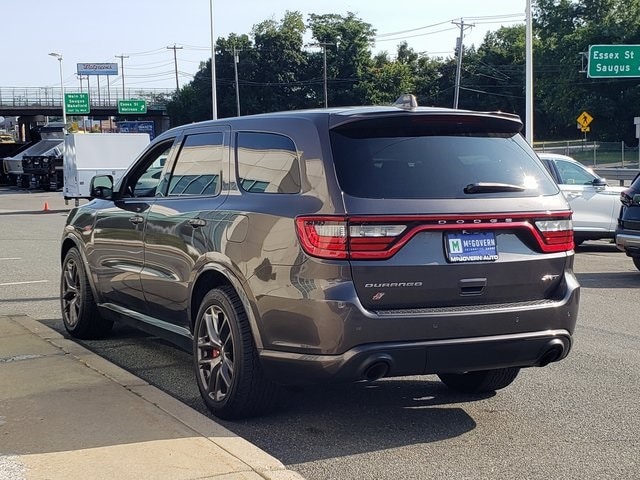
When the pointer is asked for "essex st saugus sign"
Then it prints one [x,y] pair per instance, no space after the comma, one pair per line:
[614,61]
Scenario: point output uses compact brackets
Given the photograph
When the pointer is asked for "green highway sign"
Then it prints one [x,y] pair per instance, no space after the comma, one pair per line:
[132,106]
[614,61]
[76,103]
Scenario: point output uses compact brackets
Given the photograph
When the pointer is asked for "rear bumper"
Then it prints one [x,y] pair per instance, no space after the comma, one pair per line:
[369,362]
[629,242]
[336,339]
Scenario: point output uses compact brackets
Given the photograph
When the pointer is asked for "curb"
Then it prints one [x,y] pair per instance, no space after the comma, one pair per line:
[258,460]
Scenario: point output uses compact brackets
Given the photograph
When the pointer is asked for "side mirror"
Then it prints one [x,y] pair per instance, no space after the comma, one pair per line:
[599,182]
[101,187]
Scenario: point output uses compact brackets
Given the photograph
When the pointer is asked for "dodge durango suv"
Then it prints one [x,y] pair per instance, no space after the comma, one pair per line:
[342,244]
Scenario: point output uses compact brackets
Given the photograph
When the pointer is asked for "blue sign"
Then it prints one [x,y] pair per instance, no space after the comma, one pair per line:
[97,69]
[145,126]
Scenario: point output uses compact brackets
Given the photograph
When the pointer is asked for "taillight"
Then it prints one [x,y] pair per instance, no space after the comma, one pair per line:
[629,198]
[337,238]
[324,237]
[557,234]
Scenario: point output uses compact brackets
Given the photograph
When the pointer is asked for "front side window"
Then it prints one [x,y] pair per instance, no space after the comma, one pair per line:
[572,174]
[267,163]
[198,167]
[145,177]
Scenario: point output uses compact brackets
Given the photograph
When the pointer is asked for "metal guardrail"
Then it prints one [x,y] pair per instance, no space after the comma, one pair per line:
[623,175]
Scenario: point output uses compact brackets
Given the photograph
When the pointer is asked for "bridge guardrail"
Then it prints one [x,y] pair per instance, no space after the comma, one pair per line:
[103,97]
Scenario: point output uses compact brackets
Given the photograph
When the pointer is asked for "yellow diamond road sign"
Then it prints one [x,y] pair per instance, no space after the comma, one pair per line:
[584,119]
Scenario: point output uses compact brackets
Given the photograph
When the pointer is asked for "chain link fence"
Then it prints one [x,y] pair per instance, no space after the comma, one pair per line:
[596,154]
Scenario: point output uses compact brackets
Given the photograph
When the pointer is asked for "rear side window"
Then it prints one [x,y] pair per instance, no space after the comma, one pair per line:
[434,157]
[198,167]
[267,163]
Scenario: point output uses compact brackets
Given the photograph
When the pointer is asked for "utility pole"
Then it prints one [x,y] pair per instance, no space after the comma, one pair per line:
[324,46]
[459,49]
[236,59]
[84,117]
[122,57]
[175,62]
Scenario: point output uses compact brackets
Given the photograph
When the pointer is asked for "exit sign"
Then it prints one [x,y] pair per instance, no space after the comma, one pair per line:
[614,61]
[76,103]
[132,106]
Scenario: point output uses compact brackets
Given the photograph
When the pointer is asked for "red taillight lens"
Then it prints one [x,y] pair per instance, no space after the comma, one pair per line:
[337,238]
[324,237]
[557,234]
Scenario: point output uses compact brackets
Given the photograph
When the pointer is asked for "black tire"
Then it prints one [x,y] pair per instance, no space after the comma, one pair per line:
[636,262]
[79,311]
[227,367]
[481,381]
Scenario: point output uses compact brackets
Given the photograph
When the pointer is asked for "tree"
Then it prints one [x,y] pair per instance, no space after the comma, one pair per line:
[348,42]
[279,79]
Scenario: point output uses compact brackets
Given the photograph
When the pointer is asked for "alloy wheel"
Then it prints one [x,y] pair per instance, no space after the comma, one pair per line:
[215,353]
[71,285]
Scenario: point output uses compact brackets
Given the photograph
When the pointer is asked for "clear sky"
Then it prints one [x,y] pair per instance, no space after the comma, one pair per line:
[95,32]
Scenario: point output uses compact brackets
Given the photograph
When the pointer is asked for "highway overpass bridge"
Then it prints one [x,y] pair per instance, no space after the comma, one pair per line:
[34,104]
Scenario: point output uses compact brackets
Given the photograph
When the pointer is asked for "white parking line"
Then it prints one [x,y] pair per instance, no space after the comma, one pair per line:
[22,283]
[10,258]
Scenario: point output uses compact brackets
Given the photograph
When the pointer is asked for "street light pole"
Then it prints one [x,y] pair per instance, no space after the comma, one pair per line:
[235,74]
[214,105]
[529,76]
[64,110]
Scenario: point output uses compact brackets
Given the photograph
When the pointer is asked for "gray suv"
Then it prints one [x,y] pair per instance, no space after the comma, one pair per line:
[342,244]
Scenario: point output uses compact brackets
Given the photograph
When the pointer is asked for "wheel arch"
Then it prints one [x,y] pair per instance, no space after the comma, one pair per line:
[214,276]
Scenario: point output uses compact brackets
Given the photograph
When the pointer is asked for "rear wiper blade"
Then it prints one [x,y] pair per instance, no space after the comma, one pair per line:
[490,187]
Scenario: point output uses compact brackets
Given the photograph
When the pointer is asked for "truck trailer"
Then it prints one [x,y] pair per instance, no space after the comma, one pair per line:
[89,154]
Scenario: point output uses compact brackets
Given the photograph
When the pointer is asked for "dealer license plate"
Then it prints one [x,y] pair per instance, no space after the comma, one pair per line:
[471,247]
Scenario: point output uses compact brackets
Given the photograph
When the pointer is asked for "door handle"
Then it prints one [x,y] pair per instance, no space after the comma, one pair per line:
[472,286]
[197,222]
[136,219]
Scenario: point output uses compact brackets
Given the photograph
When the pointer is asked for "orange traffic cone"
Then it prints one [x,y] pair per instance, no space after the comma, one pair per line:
[46,207]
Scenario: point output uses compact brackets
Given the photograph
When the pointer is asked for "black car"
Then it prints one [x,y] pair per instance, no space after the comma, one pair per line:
[628,231]
[339,244]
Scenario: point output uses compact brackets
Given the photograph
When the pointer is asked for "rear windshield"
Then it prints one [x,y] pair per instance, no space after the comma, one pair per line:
[435,157]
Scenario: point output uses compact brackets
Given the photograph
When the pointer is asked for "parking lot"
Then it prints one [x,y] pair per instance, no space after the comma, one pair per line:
[575,419]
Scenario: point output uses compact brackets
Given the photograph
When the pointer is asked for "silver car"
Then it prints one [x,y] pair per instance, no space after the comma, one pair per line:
[595,204]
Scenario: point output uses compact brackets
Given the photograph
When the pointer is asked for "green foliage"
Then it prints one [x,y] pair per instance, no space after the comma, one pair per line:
[277,71]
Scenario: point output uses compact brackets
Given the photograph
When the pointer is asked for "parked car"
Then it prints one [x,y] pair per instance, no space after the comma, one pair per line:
[628,231]
[595,204]
[341,244]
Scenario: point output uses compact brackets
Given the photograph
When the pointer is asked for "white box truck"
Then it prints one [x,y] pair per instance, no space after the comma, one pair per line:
[89,154]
